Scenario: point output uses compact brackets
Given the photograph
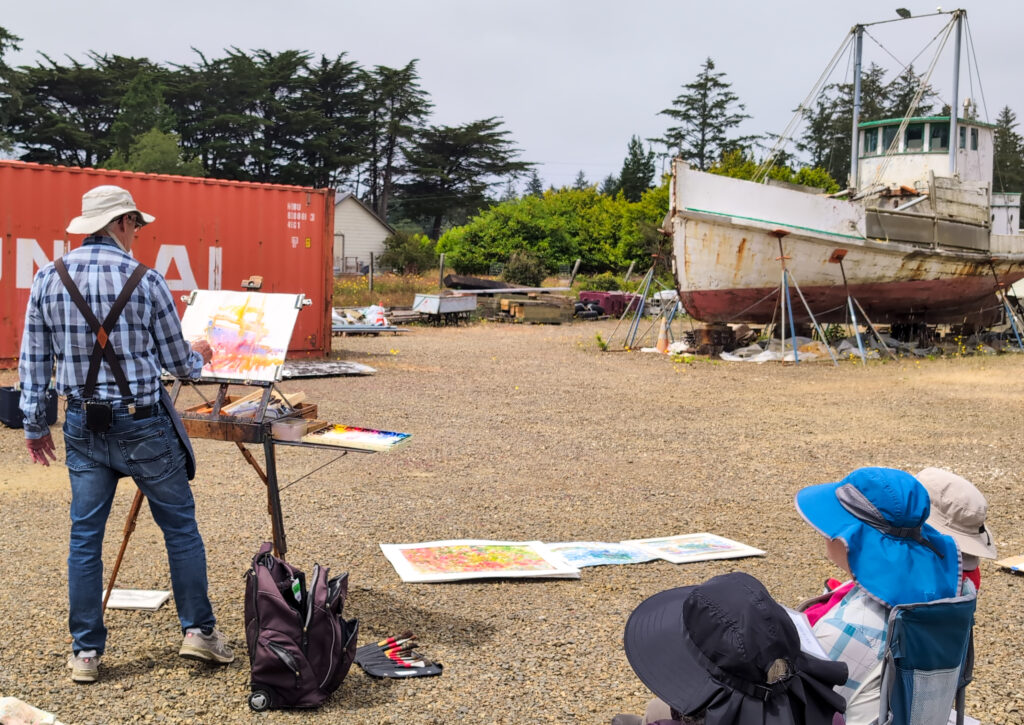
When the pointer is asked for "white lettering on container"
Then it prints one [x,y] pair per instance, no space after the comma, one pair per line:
[216,260]
[178,254]
[30,257]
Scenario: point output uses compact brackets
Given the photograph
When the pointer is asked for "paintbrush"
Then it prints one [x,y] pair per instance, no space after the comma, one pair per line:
[402,654]
[391,640]
[409,642]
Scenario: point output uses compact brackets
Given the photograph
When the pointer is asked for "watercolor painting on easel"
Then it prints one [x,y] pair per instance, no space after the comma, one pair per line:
[695,547]
[459,559]
[248,331]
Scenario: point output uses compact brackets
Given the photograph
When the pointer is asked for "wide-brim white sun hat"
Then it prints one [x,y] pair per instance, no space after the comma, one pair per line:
[959,510]
[102,205]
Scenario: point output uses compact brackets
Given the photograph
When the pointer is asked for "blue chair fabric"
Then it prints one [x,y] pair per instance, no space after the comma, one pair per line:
[928,661]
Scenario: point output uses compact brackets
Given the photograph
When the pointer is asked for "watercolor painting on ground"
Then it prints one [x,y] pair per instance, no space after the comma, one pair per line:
[695,547]
[248,331]
[599,553]
[459,559]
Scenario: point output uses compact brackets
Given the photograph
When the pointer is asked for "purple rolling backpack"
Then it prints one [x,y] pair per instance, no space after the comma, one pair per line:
[300,645]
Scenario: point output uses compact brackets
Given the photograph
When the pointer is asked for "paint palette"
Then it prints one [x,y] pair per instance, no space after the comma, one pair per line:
[348,436]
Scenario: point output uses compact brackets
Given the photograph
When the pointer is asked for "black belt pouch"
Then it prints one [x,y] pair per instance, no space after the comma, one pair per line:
[99,414]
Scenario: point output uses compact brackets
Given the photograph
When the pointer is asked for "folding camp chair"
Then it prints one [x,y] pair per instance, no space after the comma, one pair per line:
[929,660]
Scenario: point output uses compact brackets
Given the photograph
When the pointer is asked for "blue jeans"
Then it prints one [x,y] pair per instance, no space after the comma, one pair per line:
[148,451]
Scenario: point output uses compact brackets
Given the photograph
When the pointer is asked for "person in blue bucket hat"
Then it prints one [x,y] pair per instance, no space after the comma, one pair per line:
[875,524]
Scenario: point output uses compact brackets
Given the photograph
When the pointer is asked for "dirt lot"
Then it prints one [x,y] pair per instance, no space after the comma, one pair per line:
[520,432]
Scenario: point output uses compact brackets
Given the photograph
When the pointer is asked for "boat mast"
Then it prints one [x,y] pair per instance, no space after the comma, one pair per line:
[858,31]
[954,142]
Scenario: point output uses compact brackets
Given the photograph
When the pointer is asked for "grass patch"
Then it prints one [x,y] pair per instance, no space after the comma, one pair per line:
[390,290]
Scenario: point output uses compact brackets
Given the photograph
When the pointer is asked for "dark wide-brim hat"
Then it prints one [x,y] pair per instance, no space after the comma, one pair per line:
[728,651]
[880,514]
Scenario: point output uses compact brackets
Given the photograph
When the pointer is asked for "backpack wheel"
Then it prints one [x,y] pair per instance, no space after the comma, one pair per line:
[259,700]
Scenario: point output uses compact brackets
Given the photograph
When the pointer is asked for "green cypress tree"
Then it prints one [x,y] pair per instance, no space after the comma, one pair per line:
[534,187]
[1008,163]
[637,173]
[706,114]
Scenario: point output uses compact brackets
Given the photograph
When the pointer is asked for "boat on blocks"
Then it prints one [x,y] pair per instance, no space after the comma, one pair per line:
[917,238]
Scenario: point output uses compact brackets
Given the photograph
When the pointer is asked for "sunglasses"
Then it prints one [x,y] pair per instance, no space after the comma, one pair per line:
[135,219]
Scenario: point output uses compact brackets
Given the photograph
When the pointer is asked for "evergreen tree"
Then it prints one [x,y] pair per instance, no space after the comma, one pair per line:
[142,109]
[830,122]
[156,152]
[610,185]
[1008,164]
[451,168]
[637,175]
[9,102]
[581,181]
[900,92]
[65,113]
[398,109]
[534,187]
[706,113]
[327,124]
[509,193]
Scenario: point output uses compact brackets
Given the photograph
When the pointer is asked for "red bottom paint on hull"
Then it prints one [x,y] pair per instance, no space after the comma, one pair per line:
[950,301]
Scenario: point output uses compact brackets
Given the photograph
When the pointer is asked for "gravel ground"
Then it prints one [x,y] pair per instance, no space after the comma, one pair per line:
[519,432]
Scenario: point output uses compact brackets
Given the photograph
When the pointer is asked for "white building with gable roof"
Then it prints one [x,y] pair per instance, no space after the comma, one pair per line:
[358,233]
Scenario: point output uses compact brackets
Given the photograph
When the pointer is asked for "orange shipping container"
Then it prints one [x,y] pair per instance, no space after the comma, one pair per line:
[208,234]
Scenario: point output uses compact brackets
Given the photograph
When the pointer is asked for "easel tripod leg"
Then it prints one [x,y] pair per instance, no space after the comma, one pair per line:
[129,527]
[274,499]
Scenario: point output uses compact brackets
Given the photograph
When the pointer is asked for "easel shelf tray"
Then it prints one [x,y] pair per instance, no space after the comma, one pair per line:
[201,423]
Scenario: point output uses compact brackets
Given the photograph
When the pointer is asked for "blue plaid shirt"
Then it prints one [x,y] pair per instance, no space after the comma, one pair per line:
[147,336]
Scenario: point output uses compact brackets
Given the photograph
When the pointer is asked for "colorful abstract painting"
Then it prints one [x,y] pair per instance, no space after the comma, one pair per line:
[249,332]
[695,547]
[459,559]
[363,439]
[598,553]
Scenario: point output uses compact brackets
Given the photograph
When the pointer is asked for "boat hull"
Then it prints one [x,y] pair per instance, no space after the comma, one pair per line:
[731,239]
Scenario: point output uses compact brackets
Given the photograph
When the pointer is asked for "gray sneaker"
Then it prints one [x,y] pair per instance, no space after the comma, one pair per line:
[212,647]
[85,667]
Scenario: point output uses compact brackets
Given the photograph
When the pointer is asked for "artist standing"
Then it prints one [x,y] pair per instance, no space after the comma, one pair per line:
[111,325]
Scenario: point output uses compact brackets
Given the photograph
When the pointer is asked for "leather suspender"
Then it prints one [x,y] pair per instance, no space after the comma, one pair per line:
[103,347]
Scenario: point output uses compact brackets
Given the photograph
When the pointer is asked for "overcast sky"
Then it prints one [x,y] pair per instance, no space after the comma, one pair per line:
[573,80]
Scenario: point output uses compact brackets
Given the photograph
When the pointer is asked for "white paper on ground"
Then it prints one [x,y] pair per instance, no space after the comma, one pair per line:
[146,599]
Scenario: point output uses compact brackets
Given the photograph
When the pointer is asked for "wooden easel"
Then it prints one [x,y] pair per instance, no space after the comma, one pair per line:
[208,421]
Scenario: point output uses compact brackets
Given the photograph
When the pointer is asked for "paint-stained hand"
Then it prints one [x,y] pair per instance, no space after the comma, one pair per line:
[41,449]
[203,348]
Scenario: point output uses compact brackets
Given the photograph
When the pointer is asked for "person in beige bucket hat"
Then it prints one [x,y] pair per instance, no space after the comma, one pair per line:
[102,205]
[119,420]
[959,510]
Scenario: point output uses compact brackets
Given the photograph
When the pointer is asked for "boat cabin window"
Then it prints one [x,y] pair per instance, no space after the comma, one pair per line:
[974,139]
[914,139]
[870,141]
[888,134]
[939,140]
[963,137]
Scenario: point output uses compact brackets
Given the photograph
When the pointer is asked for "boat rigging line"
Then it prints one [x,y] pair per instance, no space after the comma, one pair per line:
[858,30]
[894,145]
[785,136]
